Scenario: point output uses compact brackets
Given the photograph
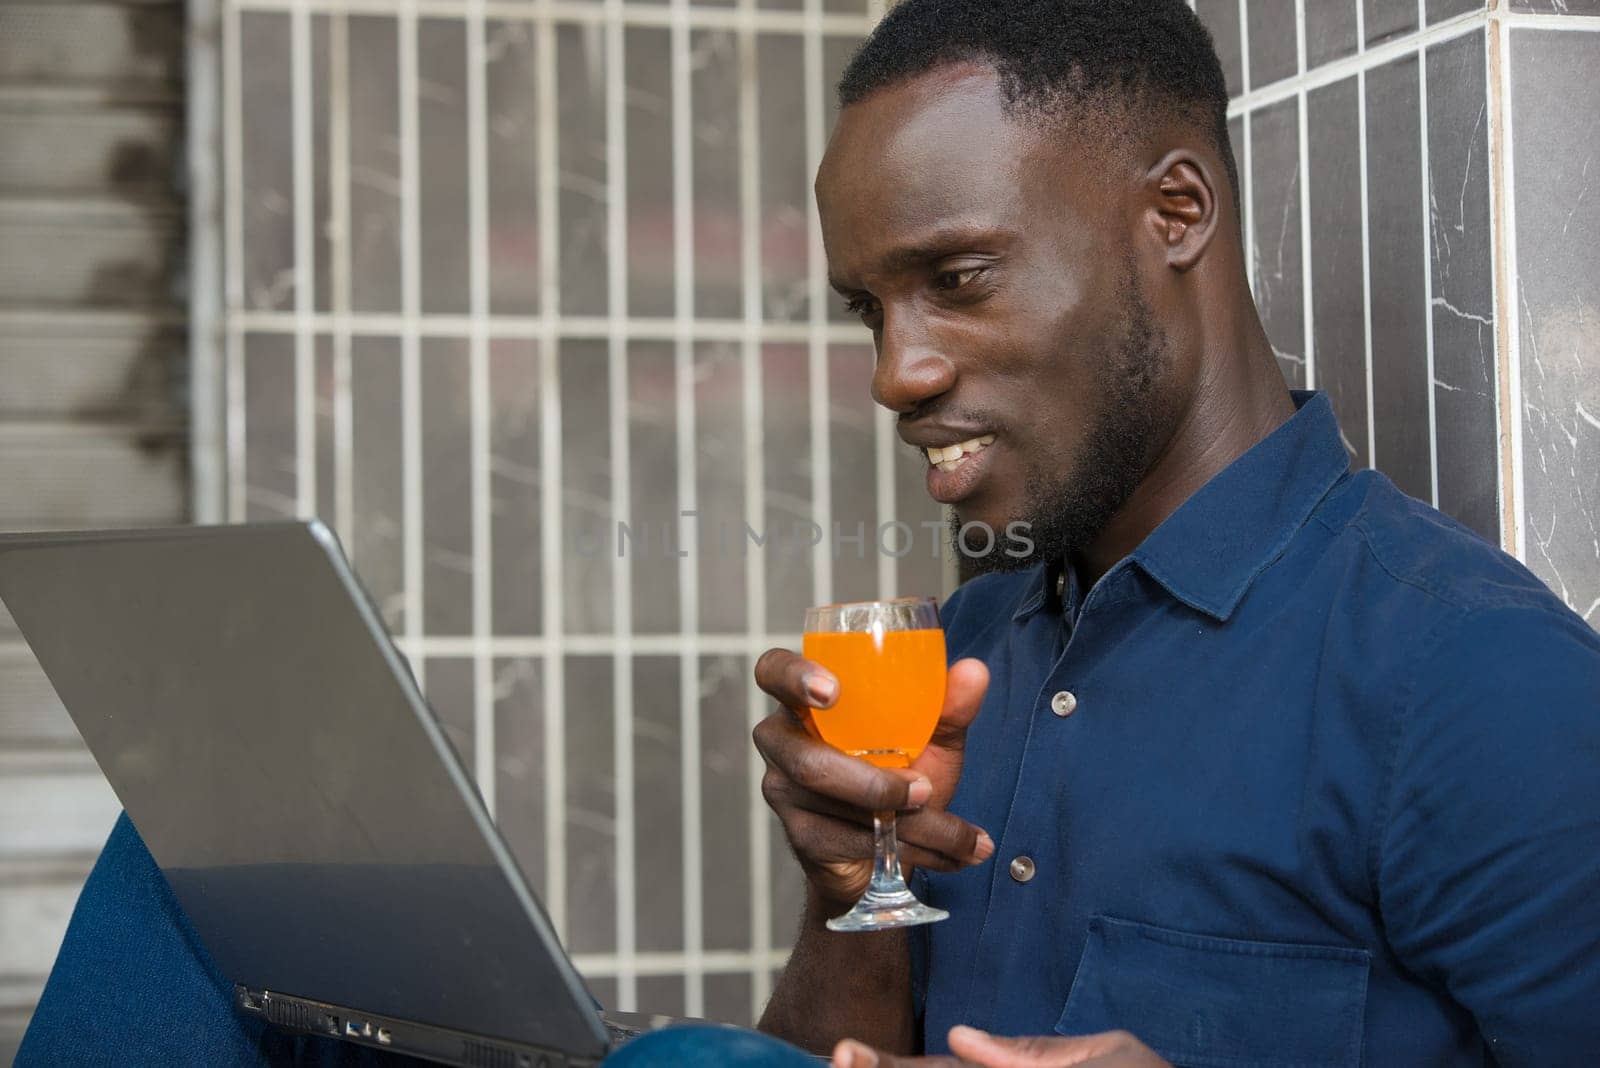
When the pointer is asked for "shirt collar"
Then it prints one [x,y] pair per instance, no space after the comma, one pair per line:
[1208,552]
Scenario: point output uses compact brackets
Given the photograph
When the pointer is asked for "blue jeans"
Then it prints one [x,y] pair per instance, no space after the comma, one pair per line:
[133,985]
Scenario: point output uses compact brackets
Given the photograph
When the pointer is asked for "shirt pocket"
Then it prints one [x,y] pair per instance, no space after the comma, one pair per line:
[1205,1002]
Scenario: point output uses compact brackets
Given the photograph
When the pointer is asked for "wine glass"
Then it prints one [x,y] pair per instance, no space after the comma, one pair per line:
[889,659]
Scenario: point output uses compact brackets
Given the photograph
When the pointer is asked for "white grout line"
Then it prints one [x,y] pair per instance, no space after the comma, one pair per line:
[305,289]
[1244,46]
[479,403]
[1427,262]
[529,327]
[1511,302]
[410,340]
[233,266]
[208,454]
[580,11]
[718,962]
[339,289]
[621,502]
[817,294]
[1364,59]
[1366,239]
[1248,168]
[1303,118]
[555,727]
[689,563]
[1530,20]
[507,647]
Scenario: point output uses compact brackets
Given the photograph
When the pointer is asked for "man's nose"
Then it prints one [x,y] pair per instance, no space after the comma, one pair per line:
[911,369]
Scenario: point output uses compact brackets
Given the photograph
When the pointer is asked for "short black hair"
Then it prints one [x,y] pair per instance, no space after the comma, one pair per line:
[1098,64]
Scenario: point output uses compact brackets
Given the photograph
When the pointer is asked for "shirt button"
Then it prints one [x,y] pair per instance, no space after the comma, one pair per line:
[1022,869]
[1063,703]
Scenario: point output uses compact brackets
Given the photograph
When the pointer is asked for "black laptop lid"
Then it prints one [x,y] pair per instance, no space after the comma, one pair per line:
[273,751]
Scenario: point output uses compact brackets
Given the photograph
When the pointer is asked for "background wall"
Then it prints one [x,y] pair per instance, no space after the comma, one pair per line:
[494,276]
[93,409]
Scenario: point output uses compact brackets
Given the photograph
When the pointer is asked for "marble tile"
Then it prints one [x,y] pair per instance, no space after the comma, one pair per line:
[1386,20]
[270,455]
[447,564]
[1275,195]
[516,479]
[836,53]
[326,461]
[920,572]
[1330,31]
[1558,7]
[658,777]
[1222,19]
[664,994]
[591,803]
[375,211]
[1400,385]
[785,178]
[725,800]
[1274,44]
[1439,10]
[789,516]
[519,764]
[718,232]
[581,152]
[322,248]
[266,172]
[722,547]
[1554,126]
[728,999]
[1464,372]
[651,233]
[377,544]
[656,531]
[512,156]
[450,692]
[588,525]
[1337,300]
[852,482]
[445,262]
[788,884]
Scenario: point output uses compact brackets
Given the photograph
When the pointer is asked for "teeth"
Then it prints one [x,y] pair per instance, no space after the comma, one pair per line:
[949,457]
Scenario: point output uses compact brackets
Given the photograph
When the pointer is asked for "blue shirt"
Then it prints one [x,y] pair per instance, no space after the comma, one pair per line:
[1326,789]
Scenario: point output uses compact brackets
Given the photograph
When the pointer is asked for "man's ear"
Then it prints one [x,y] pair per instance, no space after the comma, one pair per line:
[1182,206]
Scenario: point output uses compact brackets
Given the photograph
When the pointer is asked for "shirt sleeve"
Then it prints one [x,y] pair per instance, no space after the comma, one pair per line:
[1488,860]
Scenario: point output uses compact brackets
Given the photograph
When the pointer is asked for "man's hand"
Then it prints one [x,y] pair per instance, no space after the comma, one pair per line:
[1113,1049]
[826,799]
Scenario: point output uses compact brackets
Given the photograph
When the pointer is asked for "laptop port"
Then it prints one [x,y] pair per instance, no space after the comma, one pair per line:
[352,1029]
[384,1036]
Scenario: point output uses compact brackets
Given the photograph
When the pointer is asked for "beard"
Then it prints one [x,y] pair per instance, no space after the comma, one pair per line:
[1065,515]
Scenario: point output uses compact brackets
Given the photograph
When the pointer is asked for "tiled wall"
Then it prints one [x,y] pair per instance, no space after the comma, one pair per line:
[1419,199]
[500,276]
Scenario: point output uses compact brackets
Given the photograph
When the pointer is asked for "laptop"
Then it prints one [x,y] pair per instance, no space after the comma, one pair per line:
[241,695]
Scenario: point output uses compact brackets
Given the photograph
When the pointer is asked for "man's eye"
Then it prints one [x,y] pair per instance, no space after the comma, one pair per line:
[955,279]
[862,306]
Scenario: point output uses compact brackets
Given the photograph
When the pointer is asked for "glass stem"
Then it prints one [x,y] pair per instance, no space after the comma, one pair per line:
[887,880]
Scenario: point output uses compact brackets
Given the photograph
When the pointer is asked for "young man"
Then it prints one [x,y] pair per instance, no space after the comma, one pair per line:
[1260,762]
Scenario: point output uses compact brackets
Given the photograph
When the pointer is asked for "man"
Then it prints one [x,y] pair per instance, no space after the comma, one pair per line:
[1260,762]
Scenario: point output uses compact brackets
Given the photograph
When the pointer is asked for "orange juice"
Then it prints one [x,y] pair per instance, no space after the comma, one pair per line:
[891,688]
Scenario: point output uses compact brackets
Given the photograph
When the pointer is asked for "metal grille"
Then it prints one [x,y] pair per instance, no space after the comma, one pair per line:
[500,277]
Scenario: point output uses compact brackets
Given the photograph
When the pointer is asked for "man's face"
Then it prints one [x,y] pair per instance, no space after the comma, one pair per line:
[997,275]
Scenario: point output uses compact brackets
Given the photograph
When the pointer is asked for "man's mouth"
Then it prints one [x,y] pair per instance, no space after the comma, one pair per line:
[951,457]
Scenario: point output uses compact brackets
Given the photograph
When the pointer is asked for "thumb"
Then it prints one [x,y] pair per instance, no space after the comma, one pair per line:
[964,688]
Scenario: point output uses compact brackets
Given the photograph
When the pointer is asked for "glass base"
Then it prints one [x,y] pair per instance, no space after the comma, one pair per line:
[883,912]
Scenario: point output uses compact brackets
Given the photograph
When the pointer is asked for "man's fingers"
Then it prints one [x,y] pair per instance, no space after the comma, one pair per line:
[822,769]
[1114,1049]
[852,1054]
[795,681]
